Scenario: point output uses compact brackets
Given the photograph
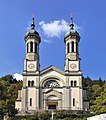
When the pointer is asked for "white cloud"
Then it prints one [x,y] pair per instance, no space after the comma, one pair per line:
[46,40]
[77,28]
[28,26]
[18,76]
[54,28]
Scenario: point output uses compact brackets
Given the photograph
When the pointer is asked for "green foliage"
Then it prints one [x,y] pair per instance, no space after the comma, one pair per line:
[8,95]
[99,104]
[44,115]
[84,118]
[69,115]
[96,93]
[96,90]
[59,115]
[9,79]
[94,87]
[47,116]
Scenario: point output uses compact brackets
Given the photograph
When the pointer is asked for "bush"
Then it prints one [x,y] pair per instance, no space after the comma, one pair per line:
[44,116]
[58,115]
[27,117]
[67,118]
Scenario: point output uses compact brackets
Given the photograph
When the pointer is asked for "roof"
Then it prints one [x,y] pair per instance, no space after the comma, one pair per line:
[32,31]
[72,31]
[50,68]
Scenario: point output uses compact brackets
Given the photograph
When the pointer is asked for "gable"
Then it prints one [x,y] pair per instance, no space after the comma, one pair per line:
[52,68]
[52,73]
[53,92]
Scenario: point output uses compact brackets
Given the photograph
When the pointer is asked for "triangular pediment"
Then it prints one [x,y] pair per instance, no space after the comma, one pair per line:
[52,68]
[52,90]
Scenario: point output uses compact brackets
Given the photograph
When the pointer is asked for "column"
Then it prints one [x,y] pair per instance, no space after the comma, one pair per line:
[33,47]
[75,47]
[66,49]
[70,47]
[29,47]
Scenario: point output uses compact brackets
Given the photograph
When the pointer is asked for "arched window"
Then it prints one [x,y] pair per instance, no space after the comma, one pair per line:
[32,83]
[68,47]
[28,83]
[30,101]
[35,47]
[75,83]
[71,83]
[31,46]
[72,46]
[73,101]
[27,47]
[52,83]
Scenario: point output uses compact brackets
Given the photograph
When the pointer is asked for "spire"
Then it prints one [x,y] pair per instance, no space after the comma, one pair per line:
[71,23]
[33,24]
[32,31]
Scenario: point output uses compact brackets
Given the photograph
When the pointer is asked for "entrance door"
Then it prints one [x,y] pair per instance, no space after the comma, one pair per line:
[51,107]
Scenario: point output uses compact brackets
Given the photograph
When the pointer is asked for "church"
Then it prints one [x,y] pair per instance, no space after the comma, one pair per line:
[52,88]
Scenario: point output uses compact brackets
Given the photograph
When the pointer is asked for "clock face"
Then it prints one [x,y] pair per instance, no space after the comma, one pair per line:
[31,66]
[73,66]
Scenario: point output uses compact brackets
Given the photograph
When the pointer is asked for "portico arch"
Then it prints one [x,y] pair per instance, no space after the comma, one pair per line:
[52,98]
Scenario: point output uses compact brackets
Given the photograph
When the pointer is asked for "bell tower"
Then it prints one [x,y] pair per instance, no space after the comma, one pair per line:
[71,39]
[31,72]
[32,40]
[72,69]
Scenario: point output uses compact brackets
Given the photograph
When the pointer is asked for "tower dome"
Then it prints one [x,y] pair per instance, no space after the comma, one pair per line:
[32,31]
[72,31]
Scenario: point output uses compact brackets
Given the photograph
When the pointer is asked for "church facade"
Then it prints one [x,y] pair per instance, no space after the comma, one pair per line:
[52,88]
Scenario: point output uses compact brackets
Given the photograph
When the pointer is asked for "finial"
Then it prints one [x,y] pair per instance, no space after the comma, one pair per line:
[71,22]
[33,15]
[33,24]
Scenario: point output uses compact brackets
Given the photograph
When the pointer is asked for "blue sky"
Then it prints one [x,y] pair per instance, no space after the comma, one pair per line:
[89,17]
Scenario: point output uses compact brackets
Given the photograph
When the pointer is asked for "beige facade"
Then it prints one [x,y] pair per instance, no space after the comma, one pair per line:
[52,88]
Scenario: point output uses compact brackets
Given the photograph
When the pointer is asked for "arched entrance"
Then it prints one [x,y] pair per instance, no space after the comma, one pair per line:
[52,102]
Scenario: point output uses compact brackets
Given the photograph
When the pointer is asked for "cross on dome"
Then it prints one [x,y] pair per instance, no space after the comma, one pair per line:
[33,24]
[71,23]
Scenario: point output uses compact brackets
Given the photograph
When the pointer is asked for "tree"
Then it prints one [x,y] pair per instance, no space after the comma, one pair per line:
[96,91]
[99,104]
[8,95]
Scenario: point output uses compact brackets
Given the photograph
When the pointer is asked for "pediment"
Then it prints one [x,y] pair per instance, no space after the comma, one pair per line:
[53,92]
[52,68]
